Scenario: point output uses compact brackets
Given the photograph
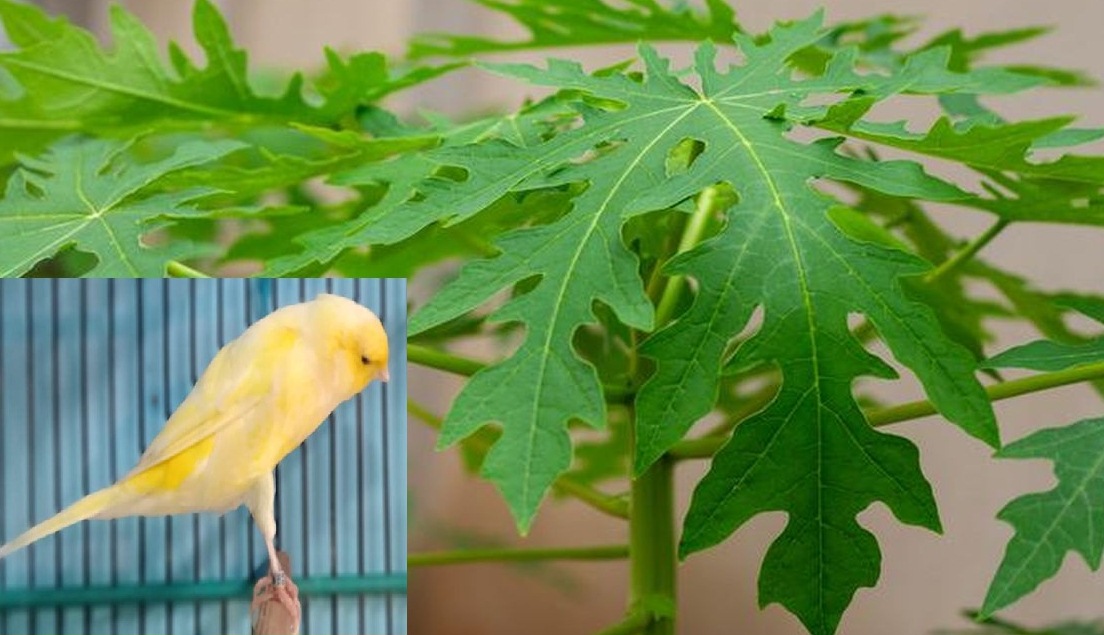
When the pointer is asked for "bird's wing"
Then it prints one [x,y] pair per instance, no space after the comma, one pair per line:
[238,381]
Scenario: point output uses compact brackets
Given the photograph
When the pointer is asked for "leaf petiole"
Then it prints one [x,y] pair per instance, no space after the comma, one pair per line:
[177,269]
[706,446]
[691,236]
[466,366]
[967,252]
[616,506]
[440,360]
[599,552]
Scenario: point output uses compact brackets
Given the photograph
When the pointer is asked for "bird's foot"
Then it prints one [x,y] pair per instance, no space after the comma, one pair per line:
[278,585]
[288,594]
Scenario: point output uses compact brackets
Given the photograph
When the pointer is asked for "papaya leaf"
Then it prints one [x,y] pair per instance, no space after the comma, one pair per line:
[1052,356]
[69,82]
[779,248]
[412,193]
[86,194]
[1050,524]
[576,22]
[1068,517]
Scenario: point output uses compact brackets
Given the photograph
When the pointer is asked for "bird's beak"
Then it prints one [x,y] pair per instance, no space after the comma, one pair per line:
[384,376]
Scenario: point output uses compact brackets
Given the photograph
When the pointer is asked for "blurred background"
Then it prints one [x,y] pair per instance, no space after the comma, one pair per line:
[926,579]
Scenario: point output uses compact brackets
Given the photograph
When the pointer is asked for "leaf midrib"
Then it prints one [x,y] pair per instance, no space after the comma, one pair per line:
[810,318]
[569,274]
[120,89]
[94,213]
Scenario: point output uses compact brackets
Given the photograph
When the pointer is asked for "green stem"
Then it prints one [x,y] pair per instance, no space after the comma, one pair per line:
[180,270]
[652,506]
[707,446]
[433,358]
[423,413]
[601,552]
[1004,625]
[466,366]
[634,622]
[652,547]
[615,506]
[691,235]
[967,252]
[996,392]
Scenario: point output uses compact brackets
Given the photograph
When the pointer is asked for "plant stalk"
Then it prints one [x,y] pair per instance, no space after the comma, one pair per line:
[433,358]
[652,547]
[180,270]
[967,252]
[615,506]
[466,366]
[691,235]
[707,446]
[600,552]
[996,392]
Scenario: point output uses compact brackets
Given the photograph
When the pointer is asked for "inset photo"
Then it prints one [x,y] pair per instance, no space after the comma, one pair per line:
[203,456]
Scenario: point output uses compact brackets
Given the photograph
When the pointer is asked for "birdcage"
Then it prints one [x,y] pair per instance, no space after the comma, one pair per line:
[89,372]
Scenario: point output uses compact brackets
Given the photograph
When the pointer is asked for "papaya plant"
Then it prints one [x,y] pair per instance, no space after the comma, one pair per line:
[658,247]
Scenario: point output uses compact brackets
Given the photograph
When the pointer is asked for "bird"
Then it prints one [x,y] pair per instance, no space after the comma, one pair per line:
[260,397]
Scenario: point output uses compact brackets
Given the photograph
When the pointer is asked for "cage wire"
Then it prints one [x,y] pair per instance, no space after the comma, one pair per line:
[89,372]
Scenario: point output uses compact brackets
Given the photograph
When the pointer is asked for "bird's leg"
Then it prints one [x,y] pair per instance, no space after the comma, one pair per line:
[261,504]
[286,591]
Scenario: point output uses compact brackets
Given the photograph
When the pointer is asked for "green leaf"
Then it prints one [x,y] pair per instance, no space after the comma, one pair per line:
[555,23]
[367,77]
[985,146]
[1050,524]
[1068,137]
[413,185]
[960,315]
[779,249]
[1050,356]
[1066,190]
[1044,311]
[92,196]
[995,626]
[808,452]
[289,157]
[967,51]
[69,82]
[1047,355]
[1066,518]
[1089,305]
[64,69]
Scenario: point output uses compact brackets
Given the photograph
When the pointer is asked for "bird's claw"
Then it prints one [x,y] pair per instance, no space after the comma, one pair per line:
[277,585]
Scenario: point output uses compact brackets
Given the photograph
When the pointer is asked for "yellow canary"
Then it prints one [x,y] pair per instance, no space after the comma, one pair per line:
[261,396]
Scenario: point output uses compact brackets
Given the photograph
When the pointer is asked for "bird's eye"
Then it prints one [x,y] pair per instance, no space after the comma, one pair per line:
[364,360]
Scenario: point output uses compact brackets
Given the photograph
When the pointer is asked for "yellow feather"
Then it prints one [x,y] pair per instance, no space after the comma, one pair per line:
[85,508]
[260,397]
[170,473]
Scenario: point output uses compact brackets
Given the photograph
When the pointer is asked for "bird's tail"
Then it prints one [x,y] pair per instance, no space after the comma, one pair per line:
[83,509]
